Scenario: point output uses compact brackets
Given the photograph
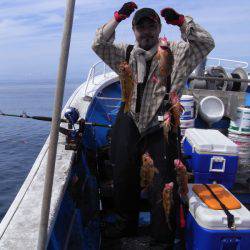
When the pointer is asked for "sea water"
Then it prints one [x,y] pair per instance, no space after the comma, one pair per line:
[22,139]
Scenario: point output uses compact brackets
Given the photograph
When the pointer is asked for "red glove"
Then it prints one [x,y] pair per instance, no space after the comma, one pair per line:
[172,17]
[126,10]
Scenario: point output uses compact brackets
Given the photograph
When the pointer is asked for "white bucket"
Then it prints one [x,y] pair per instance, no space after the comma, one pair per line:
[244,162]
[242,123]
[187,123]
[211,109]
[243,149]
[187,101]
[244,159]
[244,155]
[239,137]
[243,143]
[244,169]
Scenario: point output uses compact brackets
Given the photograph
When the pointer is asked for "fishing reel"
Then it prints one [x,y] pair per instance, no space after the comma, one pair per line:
[72,116]
[73,135]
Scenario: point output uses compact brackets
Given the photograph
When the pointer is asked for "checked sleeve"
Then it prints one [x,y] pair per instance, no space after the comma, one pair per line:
[196,45]
[111,53]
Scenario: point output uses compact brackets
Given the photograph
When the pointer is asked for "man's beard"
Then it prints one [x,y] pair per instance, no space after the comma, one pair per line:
[147,43]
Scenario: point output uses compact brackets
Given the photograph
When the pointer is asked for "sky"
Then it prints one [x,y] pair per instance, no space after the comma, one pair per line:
[31,31]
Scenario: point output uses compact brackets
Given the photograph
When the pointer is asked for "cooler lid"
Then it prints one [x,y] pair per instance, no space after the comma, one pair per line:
[216,219]
[210,141]
[223,195]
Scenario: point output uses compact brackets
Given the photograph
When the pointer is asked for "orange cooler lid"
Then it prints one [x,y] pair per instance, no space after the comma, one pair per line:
[224,196]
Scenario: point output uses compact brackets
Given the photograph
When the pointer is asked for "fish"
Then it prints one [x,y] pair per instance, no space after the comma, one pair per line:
[165,58]
[166,61]
[167,200]
[166,125]
[182,178]
[125,73]
[148,171]
[176,110]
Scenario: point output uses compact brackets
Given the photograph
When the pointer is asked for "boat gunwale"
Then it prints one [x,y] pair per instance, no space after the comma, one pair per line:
[76,98]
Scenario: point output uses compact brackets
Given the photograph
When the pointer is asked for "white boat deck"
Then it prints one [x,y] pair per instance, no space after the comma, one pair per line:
[19,228]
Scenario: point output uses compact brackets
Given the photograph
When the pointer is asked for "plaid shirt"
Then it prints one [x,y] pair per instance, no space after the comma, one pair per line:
[196,45]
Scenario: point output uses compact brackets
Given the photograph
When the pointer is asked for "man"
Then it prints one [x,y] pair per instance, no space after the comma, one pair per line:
[157,70]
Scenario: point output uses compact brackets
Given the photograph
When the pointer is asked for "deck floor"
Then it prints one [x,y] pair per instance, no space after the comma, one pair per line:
[140,242]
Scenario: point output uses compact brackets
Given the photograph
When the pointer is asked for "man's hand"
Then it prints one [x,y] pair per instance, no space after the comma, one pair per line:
[126,10]
[172,17]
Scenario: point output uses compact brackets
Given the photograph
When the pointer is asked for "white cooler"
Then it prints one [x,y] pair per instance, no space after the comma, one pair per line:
[207,229]
[212,157]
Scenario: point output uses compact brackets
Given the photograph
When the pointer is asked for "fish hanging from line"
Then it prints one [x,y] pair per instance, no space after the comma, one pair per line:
[125,73]
[167,200]
[165,58]
[176,110]
[166,61]
[148,171]
[166,125]
[182,178]
[171,119]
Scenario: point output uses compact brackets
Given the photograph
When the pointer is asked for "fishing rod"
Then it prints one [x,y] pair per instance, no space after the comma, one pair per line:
[24,115]
[49,119]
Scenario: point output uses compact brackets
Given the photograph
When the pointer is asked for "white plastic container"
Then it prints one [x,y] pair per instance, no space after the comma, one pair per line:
[243,143]
[241,138]
[211,109]
[242,123]
[187,101]
[187,123]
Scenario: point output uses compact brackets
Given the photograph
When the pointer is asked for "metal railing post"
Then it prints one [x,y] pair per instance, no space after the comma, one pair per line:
[43,228]
[105,69]
[93,76]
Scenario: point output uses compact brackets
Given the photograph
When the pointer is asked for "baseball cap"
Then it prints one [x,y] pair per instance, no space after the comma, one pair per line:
[145,13]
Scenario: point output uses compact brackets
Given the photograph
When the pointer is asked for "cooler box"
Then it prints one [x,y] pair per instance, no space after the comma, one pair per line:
[207,228]
[212,157]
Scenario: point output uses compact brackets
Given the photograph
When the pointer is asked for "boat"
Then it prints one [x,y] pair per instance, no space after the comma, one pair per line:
[75,215]
[81,202]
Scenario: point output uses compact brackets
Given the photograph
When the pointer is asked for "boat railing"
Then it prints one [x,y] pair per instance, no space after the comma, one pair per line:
[99,68]
[225,63]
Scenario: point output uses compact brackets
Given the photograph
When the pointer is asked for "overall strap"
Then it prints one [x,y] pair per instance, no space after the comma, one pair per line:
[168,87]
[128,52]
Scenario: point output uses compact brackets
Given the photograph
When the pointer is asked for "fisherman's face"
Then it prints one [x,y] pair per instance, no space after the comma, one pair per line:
[147,33]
